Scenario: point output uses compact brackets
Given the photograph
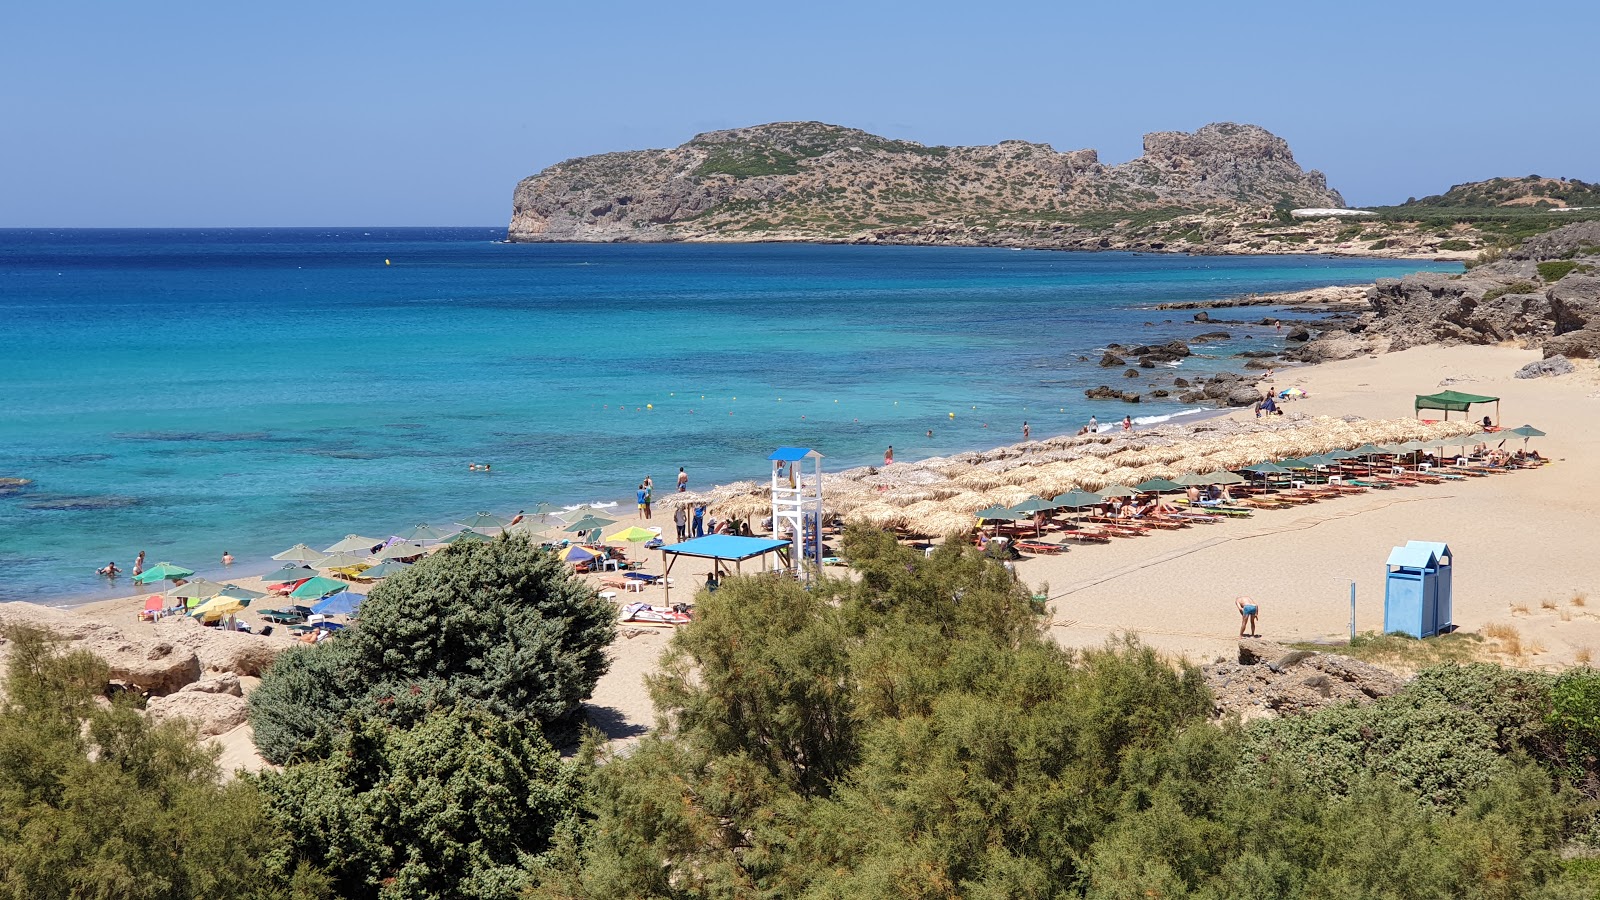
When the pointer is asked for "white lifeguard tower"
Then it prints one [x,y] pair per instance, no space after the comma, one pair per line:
[796,497]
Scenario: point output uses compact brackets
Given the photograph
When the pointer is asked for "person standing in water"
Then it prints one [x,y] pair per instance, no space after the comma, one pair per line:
[888,456]
[227,558]
[1094,425]
[683,480]
[1127,423]
[1027,433]
[138,564]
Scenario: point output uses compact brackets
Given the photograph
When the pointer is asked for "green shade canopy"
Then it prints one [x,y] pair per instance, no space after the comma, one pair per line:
[1291,463]
[1452,401]
[1078,499]
[1032,505]
[342,559]
[999,514]
[1158,484]
[401,551]
[162,572]
[633,534]
[239,593]
[1343,454]
[1193,479]
[1224,478]
[354,542]
[528,528]
[590,523]
[1410,446]
[299,553]
[198,589]
[1369,450]
[423,532]
[318,587]
[1267,468]
[1526,431]
[467,537]
[384,569]
[484,520]
[289,573]
[1117,490]
[543,509]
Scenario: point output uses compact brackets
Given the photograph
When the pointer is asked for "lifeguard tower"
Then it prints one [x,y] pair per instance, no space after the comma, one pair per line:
[797,498]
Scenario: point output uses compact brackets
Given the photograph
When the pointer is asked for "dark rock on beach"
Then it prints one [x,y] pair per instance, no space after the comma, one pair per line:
[1546,368]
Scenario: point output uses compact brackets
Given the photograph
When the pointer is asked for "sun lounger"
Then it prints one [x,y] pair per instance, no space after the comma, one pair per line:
[1039,547]
[645,614]
[1085,536]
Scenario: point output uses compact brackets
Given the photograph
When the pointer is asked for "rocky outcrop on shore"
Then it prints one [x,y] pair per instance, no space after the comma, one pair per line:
[1270,679]
[813,181]
[1543,293]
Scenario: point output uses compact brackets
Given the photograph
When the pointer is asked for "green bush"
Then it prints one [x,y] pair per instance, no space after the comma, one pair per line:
[1456,245]
[1515,287]
[461,805]
[499,626]
[1574,718]
[96,802]
[1555,270]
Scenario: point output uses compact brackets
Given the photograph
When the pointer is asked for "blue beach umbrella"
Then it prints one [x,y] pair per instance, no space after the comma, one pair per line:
[344,603]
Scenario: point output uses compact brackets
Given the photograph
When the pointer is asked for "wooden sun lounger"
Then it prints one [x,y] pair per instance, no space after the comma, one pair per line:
[1086,536]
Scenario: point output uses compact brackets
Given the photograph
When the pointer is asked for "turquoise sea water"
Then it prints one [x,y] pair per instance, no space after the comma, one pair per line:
[189,392]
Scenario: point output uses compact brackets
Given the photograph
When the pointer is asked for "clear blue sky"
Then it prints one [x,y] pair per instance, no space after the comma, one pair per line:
[424,113]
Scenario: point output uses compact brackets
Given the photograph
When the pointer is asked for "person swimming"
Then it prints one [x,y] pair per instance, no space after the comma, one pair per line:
[110,570]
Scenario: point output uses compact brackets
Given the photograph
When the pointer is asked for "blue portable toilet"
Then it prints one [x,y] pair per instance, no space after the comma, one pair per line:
[1412,596]
[1444,621]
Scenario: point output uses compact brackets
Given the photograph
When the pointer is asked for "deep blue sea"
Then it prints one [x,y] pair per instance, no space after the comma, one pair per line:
[186,392]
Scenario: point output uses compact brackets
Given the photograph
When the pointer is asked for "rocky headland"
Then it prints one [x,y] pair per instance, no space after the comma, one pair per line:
[808,181]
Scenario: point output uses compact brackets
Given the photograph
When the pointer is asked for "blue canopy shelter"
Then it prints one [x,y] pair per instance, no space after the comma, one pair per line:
[722,549]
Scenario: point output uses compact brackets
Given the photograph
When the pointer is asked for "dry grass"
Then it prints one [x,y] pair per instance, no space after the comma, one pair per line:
[1519,609]
[1407,654]
[1580,599]
[1547,604]
[1583,656]
[1508,640]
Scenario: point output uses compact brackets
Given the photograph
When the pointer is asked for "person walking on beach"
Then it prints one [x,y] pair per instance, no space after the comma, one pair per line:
[1094,425]
[699,520]
[888,456]
[681,519]
[1247,615]
[683,480]
[644,501]
[1027,433]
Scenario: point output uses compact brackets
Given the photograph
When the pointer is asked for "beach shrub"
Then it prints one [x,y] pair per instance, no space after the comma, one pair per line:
[1555,270]
[1574,717]
[910,726]
[96,802]
[460,805]
[500,626]
[1456,245]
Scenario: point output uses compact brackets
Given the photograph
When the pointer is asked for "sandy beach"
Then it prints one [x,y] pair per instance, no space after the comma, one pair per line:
[1519,540]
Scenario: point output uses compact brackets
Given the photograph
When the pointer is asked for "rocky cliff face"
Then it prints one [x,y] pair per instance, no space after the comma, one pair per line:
[811,181]
[1544,293]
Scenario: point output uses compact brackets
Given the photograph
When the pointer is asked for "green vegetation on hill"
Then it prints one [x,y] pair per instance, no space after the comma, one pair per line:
[1532,191]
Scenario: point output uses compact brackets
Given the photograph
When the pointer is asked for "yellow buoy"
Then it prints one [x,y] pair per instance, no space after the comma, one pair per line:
[952,415]
[649,406]
[386,262]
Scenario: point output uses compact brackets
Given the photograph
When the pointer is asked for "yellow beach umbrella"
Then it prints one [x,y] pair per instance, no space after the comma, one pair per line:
[633,534]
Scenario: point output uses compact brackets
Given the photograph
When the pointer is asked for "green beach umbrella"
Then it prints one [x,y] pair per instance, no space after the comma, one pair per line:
[354,543]
[401,551]
[998,514]
[239,593]
[542,509]
[1192,479]
[1293,463]
[342,559]
[484,520]
[318,587]
[1266,468]
[1117,490]
[1410,446]
[1369,450]
[467,536]
[299,553]
[1078,499]
[384,569]
[528,528]
[423,532]
[633,534]
[163,572]
[288,574]
[1343,454]
[1033,505]
[1526,431]
[589,523]
[1224,477]
[1158,485]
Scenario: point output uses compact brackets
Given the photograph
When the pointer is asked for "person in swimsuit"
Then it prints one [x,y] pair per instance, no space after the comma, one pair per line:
[888,455]
[227,558]
[138,564]
[110,570]
[683,480]
[1247,615]
[1027,432]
